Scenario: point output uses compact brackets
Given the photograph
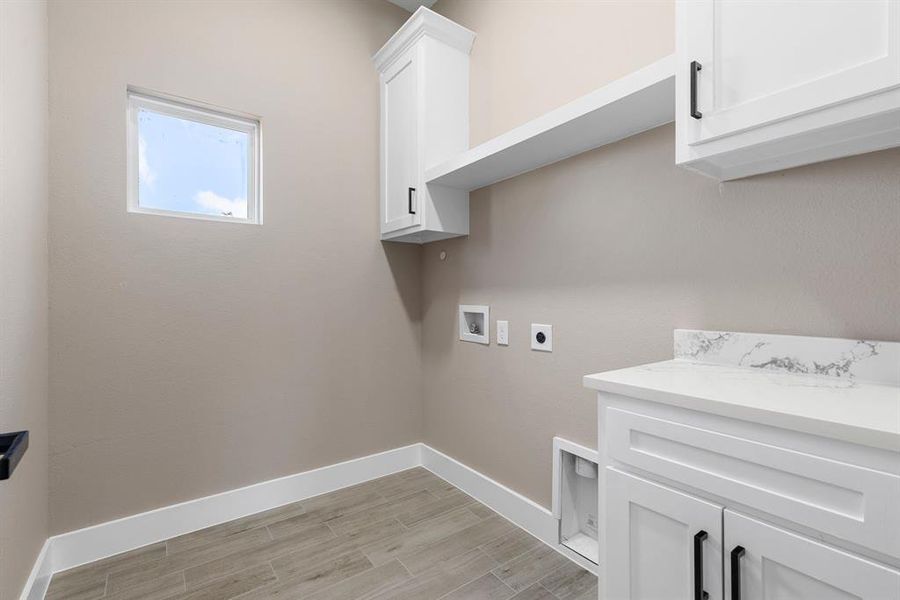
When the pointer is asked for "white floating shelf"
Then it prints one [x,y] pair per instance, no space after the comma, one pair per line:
[637,102]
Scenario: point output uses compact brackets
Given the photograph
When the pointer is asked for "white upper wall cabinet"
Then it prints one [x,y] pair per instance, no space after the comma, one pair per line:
[768,85]
[424,80]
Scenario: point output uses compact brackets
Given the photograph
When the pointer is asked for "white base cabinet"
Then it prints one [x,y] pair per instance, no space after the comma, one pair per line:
[766,562]
[701,507]
[667,544]
[772,84]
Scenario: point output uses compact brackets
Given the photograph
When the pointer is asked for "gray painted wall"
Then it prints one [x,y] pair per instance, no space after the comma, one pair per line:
[617,247]
[23,282]
[191,357]
[172,339]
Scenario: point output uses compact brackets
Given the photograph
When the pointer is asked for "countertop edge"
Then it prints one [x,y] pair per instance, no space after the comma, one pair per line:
[840,431]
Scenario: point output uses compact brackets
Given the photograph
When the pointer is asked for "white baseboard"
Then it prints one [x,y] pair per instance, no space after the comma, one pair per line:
[527,514]
[86,545]
[39,579]
[108,539]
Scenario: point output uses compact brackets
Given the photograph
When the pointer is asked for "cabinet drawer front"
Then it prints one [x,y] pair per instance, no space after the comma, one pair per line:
[848,501]
[779,564]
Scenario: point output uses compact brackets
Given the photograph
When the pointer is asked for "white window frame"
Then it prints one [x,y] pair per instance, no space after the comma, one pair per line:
[201,113]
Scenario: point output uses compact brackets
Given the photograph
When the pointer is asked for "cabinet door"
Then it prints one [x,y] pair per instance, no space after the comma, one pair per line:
[399,143]
[656,545]
[768,60]
[778,565]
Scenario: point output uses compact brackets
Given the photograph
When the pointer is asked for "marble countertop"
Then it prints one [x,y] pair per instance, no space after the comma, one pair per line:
[845,409]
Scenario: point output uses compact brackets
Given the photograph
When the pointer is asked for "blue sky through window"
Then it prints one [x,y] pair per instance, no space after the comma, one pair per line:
[191,167]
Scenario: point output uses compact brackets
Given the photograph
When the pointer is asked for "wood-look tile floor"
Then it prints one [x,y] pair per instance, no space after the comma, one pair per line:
[410,536]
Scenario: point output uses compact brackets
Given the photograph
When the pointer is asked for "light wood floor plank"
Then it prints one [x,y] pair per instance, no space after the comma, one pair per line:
[535,592]
[308,578]
[450,502]
[330,506]
[413,480]
[89,581]
[215,533]
[174,563]
[384,510]
[299,560]
[416,539]
[526,570]
[159,588]
[441,578]
[482,511]
[420,558]
[486,587]
[407,536]
[199,575]
[570,582]
[233,585]
[366,585]
[510,546]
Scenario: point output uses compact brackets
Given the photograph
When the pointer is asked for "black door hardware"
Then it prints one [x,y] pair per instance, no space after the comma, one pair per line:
[412,191]
[699,593]
[12,447]
[695,68]
[736,555]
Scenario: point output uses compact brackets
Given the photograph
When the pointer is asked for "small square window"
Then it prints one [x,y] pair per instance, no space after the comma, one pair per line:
[190,160]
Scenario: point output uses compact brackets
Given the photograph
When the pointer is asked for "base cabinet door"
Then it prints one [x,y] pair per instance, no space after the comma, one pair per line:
[765,562]
[661,544]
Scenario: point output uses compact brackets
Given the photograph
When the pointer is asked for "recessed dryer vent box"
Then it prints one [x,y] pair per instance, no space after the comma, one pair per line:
[575,496]
[474,323]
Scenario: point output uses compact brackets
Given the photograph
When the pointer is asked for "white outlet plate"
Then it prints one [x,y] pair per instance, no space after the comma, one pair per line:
[503,333]
[547,330]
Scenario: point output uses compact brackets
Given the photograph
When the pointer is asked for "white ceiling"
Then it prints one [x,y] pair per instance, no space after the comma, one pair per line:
[412,5]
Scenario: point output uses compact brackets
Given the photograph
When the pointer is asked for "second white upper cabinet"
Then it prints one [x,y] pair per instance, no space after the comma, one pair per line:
[424,80]
[769,84]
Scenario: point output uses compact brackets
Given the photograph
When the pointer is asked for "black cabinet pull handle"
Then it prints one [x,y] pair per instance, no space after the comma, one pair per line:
[12,448]
[736,555]
[699,593]
[412,191]
[695,68]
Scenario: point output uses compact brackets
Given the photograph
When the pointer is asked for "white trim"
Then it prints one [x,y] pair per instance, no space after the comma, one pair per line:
[199,112]
[39,579]
[86,545]
[108,539]
[561,445]
[525,513]
[513,506]
[424,22]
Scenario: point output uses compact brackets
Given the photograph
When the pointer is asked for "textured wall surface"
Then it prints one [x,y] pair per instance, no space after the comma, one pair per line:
[618,246]
[23,282]
[192,357]
[530,57]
